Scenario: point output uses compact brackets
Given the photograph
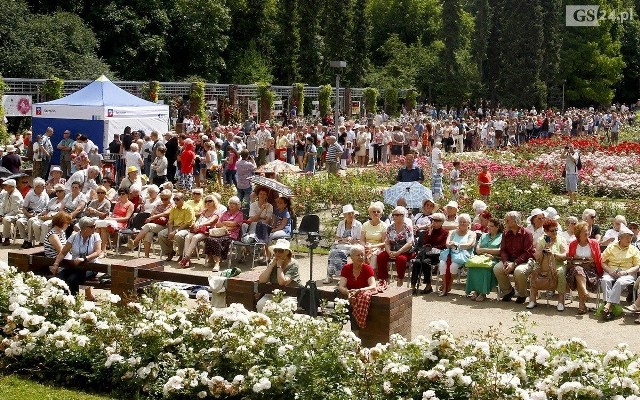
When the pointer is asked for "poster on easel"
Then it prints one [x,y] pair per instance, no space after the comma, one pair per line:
[355,108]
[277,108]
[316,108]
[253,108]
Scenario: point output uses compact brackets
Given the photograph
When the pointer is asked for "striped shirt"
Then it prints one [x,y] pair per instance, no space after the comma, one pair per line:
[333,151]
[49,251]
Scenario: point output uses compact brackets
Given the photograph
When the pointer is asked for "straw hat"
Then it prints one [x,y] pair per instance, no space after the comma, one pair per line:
[132,168]
[10,149]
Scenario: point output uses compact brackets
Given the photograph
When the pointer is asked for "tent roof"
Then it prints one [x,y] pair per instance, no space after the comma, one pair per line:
[101,92]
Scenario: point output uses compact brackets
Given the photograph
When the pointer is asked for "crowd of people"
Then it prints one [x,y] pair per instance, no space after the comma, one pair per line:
[77,209]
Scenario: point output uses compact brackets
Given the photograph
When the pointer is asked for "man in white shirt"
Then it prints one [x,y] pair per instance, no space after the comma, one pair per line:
[34,203]
[436,156]
[10,209]
[87,178]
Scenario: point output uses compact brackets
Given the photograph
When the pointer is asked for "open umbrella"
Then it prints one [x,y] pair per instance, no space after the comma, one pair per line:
[271,184]
[413,192]
[5,173]
[279,167]
[17,176]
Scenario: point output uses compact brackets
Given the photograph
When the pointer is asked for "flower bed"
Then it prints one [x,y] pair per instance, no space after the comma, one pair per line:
[159,348]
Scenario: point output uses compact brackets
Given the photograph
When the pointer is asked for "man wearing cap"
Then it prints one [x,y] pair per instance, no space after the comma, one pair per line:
[34,203]
[11,160]
[132,178]
[87,178]
[11,206]
[410,173]
[181,217]
[515,251]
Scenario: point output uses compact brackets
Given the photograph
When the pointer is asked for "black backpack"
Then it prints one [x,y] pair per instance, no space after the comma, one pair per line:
[579,163]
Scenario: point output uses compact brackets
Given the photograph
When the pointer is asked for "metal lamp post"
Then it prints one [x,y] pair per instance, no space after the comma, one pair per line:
[339,65]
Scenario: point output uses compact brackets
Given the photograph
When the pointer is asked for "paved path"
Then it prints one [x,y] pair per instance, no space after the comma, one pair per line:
[465,316]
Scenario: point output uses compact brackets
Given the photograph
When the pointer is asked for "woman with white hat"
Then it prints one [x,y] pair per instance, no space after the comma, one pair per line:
[347,234]
[451,212]
[282,269]
[56,178]
[535,222]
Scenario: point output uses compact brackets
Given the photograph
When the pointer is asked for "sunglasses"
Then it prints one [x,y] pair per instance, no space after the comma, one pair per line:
[279,250]
[208,201]
[553,230]
[197,194]
[165,198]
[101,192]
[59,190]
[376,212]
[397,215]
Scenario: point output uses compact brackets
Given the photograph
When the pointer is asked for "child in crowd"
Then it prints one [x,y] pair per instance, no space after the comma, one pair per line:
[456,180]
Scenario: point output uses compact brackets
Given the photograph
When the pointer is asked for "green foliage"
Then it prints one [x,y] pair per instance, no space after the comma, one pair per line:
[391,101]
[358,60]
[410,99]
[324,100]
[51,89]
[298,97]
[287,41]
[197,101]
[266,97]
[37,46]
[370,99]
[338,40]
[150,90]
[251,67]
[16,388]
[313,40]
[3,126]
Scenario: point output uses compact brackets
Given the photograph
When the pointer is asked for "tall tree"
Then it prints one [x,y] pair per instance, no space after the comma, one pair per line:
[480,40]
[338,40]
[628,90]
[287,43]
[552,20]
[311,41]
[199,37]
[521,54]
[359,60]
[457,70]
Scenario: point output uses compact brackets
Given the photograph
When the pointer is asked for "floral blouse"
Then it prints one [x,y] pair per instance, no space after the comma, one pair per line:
[397,238]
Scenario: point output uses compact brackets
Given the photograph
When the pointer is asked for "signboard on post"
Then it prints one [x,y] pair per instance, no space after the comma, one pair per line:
[17,105]
[277,108]
[253,108]
[355,108]
[316,108]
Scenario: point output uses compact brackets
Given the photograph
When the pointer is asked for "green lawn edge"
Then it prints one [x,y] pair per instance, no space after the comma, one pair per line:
[17,388]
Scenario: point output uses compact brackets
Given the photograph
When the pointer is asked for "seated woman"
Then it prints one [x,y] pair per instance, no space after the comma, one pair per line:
[135,196]
[551,245]
[200,229]
[482,225]
[84,246]
[112,194]
[570,234]
[398,246]
[347,234]
[101,206]
[435,237]
[74,202]
[118,219]
[620,262]
[56,178]
[422,220]
[461,240]
[480,279]
[217,247]
[154,224]
[281,270]
[374,233]
[357,276]
[282,224]
[150,200]
[260,210]
[584,264]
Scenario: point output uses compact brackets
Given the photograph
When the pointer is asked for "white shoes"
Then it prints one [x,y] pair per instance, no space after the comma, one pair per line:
[531,305]
[560,307]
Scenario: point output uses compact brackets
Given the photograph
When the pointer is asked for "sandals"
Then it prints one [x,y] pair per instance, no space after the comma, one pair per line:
[480,297]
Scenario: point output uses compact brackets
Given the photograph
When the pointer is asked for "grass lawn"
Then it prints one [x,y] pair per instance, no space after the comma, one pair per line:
[16,388]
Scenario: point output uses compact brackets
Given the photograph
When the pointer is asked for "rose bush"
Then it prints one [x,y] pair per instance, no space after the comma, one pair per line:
[157,347]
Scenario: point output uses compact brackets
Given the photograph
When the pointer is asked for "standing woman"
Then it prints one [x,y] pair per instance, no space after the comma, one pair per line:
[187,158]
[348,234]
[84,246]
[310,152]
[211,163]
[378,137]
[300,149]
[159,166]
[230,172]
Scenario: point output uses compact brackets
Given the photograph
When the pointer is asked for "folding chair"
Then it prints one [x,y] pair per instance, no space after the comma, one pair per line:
[136,222]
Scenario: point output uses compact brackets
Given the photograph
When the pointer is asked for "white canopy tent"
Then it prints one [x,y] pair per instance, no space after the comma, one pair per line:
[99,110]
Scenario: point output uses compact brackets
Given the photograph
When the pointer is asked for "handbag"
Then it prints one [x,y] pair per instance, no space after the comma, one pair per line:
[544,275]
[218,232]
[162,221]
[200,229]
[480,261]
[459,256]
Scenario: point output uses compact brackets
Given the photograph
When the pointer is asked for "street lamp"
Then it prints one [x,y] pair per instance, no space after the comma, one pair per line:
[339,65]
[563,82]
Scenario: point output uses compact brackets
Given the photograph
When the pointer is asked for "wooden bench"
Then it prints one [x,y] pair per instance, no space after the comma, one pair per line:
[390,311]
